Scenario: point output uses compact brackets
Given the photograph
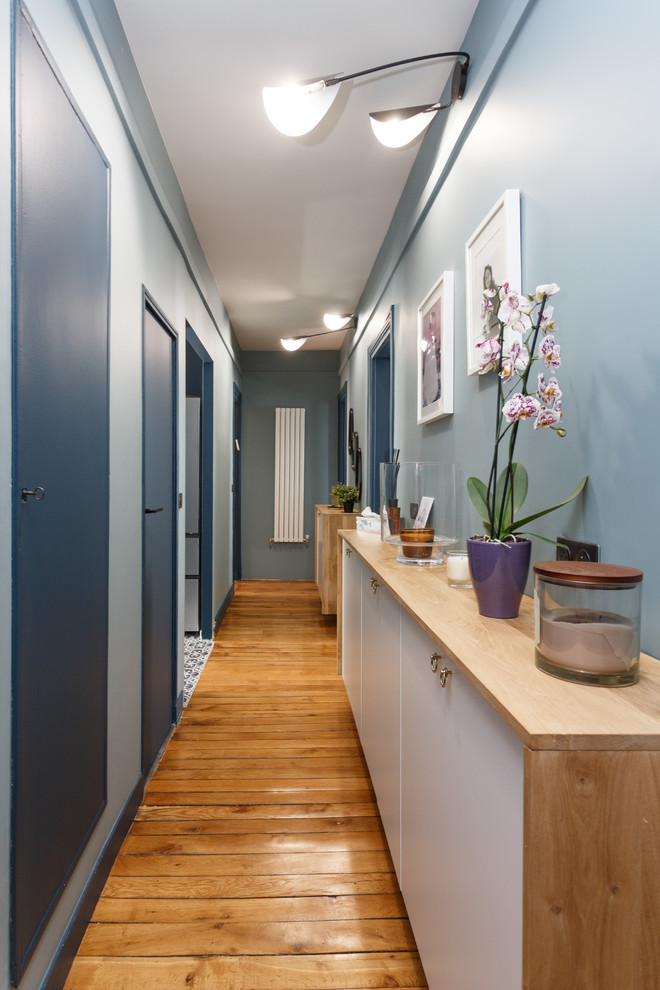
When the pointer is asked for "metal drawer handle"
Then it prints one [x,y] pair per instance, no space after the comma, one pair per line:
[151,511]
[445,672]
[374,585]
[348,551]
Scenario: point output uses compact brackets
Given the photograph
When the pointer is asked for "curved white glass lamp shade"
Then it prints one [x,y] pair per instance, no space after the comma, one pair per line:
[333,321]
[395,131]
[297,109]
[292,343]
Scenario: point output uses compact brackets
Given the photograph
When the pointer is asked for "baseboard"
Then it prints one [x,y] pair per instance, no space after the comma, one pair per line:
[70,944]
[222,611]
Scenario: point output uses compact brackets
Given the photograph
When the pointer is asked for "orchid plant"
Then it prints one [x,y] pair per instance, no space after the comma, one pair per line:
[524,322]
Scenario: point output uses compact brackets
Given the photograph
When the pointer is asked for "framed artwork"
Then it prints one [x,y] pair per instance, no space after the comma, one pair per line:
[492,257]
[435,351]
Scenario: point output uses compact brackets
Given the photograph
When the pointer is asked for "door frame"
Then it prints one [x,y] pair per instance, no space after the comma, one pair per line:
[342,420]
[381,348]
[149,304]
[206,486]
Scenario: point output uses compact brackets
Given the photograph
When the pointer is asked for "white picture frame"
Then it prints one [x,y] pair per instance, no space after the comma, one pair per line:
[435,351]
[492,250]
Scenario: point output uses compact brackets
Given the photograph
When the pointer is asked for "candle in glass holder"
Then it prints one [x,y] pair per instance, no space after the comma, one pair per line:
[458,569]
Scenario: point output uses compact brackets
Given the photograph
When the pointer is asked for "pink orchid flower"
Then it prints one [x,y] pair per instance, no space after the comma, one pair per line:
[489,354]
[520,407]
[551,289]
[549,392]
[550,352]
[547,417]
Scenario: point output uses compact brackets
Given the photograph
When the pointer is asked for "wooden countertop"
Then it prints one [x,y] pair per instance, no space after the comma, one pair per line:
[497,656]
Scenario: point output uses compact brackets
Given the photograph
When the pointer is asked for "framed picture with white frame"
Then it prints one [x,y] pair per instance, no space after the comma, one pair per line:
[492,257]
[435,351]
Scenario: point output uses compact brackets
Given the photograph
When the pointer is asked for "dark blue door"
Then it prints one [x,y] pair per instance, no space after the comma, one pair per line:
[381,407]
[61,491]
[236,483]
[199,384]
[160,509]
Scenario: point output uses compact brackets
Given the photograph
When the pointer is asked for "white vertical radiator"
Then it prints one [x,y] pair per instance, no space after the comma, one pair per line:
[289,476]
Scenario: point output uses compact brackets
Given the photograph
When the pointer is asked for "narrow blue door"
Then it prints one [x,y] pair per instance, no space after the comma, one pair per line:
[236,484]
[381,407]
[160,511]
[61,491]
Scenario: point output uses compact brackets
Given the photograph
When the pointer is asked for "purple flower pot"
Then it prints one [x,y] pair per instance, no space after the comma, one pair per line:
[499,574]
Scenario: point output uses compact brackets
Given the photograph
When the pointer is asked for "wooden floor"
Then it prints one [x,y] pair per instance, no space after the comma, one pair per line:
[257,859]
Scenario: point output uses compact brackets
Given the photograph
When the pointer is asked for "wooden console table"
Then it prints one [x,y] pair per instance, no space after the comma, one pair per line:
[328,521]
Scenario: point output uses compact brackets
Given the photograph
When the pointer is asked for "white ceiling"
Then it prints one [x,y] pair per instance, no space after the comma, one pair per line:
[290,226]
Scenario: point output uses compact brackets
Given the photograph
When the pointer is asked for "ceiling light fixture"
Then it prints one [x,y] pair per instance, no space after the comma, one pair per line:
[293,343]
[334,321]
[297,109]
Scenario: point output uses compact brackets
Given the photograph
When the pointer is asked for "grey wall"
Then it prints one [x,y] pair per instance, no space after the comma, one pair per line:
[308,380]
[550,110]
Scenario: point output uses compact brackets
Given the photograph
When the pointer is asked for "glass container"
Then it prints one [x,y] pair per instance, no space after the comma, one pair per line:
[587,621]
[418,509]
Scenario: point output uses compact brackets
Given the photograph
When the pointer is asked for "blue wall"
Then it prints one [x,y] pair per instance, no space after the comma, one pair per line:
[270,379]
[551,109]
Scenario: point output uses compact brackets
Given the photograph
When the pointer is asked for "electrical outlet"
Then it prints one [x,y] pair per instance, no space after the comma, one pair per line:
[577,550]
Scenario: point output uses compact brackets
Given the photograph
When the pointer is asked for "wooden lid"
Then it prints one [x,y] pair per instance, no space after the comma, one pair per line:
[586,572]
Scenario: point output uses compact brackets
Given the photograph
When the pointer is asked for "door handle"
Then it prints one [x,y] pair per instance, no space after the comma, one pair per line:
[37,493]
[151,511]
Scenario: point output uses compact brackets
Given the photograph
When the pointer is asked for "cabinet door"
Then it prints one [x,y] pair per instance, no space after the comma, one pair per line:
[381,704]
[351,632]
[462,826]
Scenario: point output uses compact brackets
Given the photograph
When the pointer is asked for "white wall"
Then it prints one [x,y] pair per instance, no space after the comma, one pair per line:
[561,116]
[151,246]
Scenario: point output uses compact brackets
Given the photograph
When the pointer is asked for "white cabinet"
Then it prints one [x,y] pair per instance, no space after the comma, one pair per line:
[525,830]
[461,825]
[381,714]
[351,646]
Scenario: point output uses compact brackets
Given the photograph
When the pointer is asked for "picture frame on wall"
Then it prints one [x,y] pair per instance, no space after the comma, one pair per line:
[492,257]
[435,351]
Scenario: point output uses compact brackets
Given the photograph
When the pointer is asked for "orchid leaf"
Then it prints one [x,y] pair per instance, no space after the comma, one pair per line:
[538,536]
[544,512]
[512,487]
[479,497]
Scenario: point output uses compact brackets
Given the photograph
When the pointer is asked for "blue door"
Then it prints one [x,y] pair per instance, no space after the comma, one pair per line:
[199,384]
[159,535]
[236,484]
[381,407]
[61,491]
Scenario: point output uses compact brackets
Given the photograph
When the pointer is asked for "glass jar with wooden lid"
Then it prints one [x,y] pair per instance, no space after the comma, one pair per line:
[587,621]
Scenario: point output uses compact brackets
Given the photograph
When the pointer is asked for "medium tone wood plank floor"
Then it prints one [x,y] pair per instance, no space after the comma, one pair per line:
[257,859]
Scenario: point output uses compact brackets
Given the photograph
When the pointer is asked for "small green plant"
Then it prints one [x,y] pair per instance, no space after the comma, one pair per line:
[345,493]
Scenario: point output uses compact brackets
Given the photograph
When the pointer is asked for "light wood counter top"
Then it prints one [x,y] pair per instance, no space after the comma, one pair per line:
[497,656]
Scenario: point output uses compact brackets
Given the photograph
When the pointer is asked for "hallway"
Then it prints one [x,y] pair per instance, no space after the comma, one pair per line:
[257,859]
